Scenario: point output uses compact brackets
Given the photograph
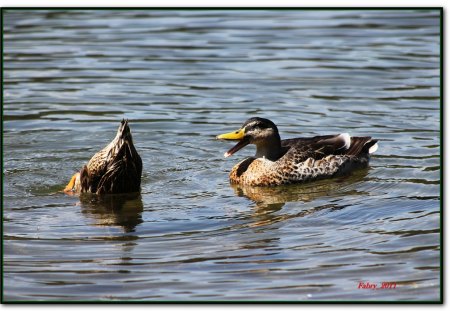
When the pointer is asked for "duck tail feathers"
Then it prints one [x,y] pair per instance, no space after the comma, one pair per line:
[362,145]
[373,146]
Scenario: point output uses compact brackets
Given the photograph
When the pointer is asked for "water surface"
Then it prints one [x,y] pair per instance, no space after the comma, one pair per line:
[182,77]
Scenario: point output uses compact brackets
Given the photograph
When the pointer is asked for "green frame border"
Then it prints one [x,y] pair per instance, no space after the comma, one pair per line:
[234,302]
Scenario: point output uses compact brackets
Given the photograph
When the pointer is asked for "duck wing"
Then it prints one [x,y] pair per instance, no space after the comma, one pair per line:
[319,147]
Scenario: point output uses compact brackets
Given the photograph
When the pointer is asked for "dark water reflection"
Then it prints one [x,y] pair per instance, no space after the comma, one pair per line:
[182,77]
[113,210]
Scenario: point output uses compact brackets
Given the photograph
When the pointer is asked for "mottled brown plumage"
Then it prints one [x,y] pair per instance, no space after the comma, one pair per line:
[295,160]
[117,168]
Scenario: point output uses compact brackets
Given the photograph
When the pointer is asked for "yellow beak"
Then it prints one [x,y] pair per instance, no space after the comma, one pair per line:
[236,135]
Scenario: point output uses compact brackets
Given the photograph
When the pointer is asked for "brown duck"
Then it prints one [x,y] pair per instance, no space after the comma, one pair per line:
[289,161]
[115,169]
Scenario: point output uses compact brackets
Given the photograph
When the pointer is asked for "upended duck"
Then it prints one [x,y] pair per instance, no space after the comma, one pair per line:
[117,168]
[296,160]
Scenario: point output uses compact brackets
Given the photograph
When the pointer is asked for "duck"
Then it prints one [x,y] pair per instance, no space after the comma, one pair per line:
[295,160]
[115,169]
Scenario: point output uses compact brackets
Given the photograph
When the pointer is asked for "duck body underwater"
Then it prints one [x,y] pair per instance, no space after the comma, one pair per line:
[288,161]
[115,169]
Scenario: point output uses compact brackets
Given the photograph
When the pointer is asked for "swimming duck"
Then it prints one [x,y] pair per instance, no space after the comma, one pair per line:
[115,169]
[289,161]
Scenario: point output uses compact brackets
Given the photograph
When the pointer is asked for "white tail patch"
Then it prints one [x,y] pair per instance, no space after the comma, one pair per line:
[347,140]
[373,148]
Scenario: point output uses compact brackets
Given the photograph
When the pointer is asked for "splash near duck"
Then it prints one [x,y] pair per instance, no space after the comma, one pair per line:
[288,161]
[115,169]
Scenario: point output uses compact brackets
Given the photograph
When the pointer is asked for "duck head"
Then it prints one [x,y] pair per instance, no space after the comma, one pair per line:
[257,131]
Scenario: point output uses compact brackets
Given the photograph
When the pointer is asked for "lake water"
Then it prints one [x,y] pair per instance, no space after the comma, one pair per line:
[182,77]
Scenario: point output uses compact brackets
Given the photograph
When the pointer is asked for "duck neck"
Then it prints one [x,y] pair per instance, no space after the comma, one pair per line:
[269,148]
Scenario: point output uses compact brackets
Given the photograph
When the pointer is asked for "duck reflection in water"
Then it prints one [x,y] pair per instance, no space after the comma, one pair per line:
[123,210]
[269,201]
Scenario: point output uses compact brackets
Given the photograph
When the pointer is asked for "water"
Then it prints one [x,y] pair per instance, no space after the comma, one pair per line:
[182,77]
